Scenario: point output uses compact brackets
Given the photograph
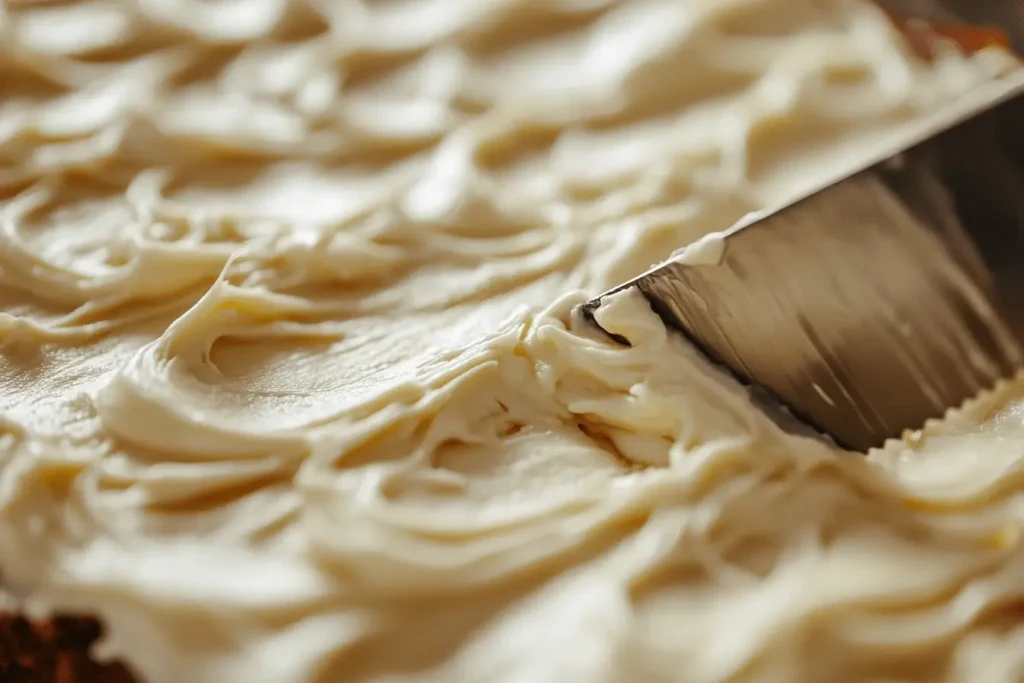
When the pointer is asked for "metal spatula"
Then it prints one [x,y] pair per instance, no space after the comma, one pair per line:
[876,300]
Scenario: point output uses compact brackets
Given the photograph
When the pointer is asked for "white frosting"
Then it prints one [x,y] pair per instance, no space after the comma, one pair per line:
[292,391]
[706,251]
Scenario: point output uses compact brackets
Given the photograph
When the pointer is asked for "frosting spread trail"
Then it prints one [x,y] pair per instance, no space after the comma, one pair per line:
[293,390]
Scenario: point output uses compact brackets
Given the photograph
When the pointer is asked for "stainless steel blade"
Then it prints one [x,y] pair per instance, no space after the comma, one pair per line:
[863,307]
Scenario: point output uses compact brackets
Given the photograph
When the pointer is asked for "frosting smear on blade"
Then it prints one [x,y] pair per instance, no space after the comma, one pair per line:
[293,392]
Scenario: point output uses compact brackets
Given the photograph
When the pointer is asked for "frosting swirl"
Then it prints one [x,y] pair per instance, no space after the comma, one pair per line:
[292,388]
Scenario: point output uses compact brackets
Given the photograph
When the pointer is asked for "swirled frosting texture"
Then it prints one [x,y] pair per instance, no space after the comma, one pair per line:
[292,391]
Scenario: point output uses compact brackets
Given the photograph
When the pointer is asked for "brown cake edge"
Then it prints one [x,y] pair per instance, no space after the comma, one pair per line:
[54,651]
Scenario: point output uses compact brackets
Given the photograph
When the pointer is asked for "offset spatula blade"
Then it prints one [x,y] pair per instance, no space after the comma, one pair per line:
[854,315]
[864,308]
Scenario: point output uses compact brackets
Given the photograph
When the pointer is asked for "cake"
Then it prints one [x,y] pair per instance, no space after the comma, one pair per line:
[293,391]
[53,651]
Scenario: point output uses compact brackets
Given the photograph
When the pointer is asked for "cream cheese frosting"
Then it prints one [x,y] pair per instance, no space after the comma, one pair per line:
[293,391]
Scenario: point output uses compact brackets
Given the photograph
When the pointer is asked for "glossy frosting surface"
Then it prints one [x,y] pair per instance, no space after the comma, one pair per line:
[291,390]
